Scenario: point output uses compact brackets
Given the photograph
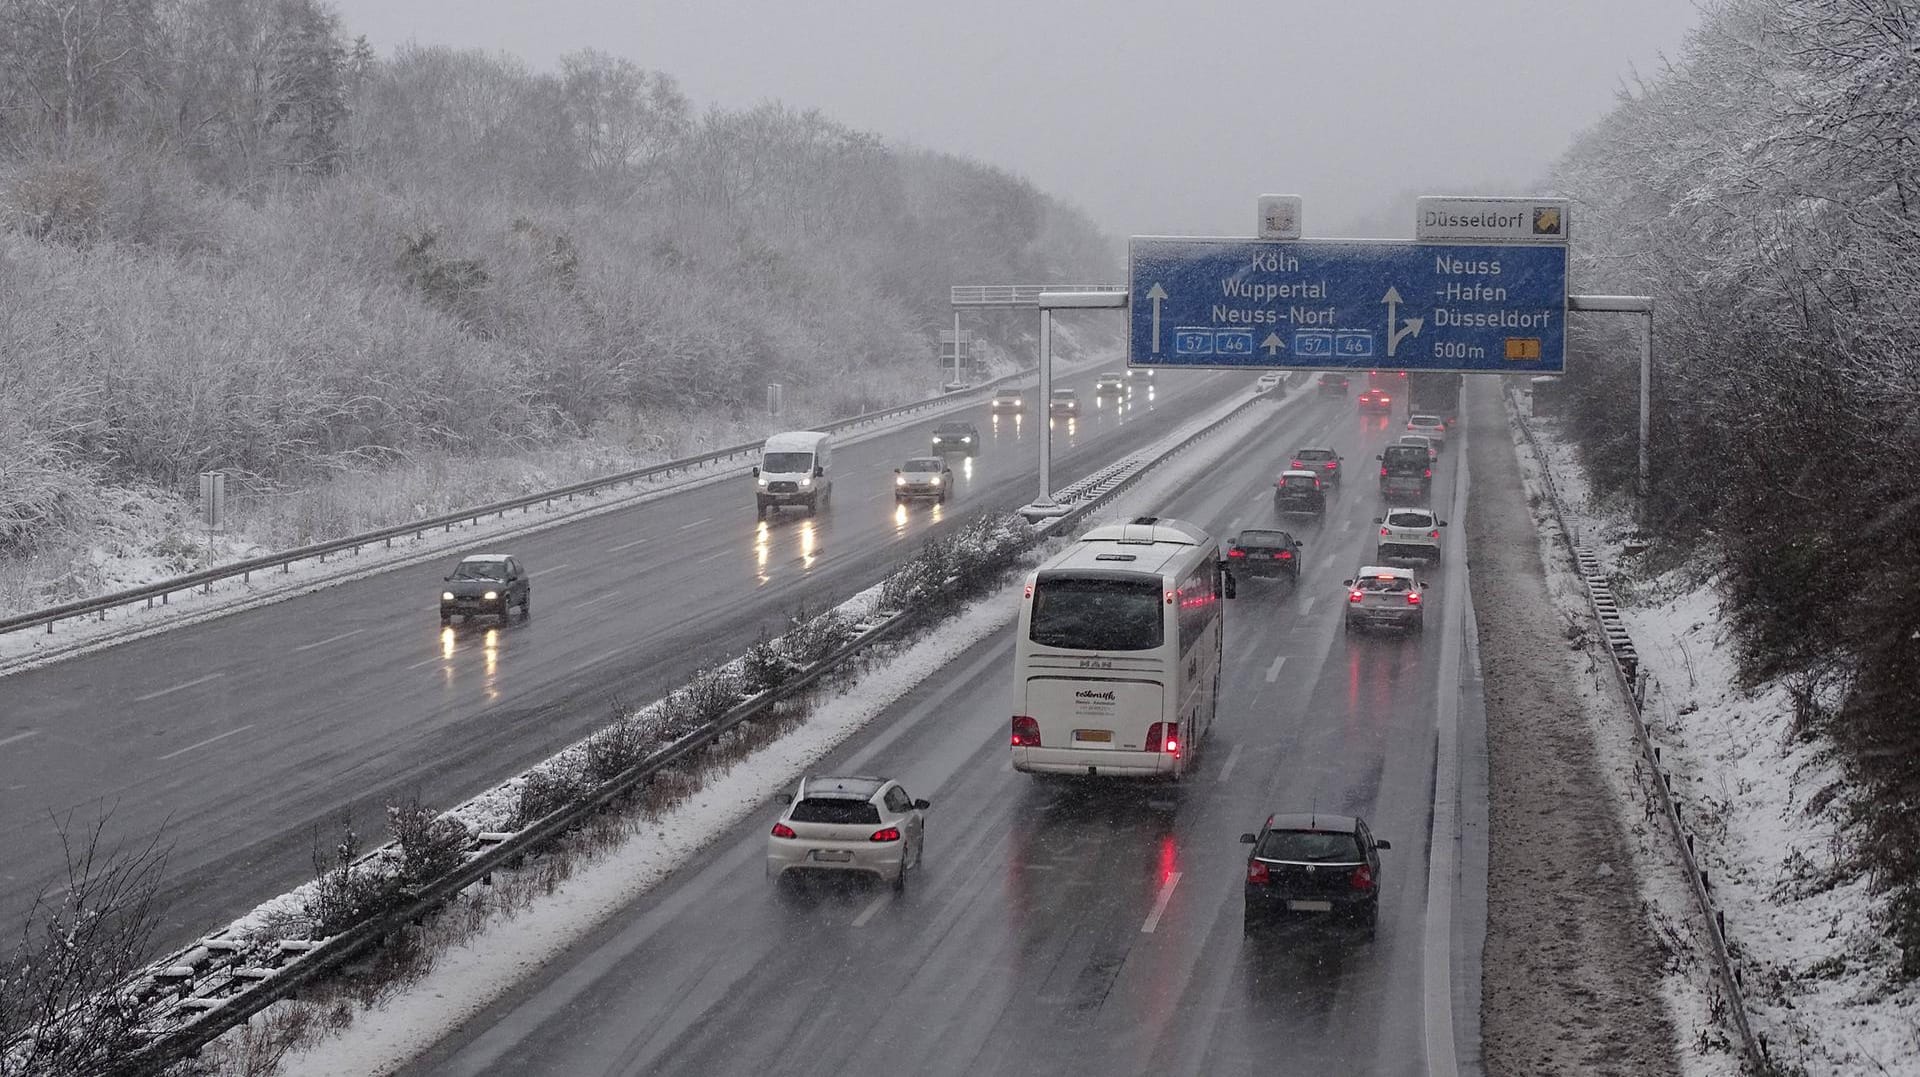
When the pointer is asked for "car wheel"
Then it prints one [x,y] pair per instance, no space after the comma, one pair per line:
[900,879]
[943,497]
[1419,625]
[1351,625]
[445,618]
[813,505]
[1371,925]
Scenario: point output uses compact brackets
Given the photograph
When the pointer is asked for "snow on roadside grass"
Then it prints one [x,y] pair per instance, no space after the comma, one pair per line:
[469,976]
[1815,959]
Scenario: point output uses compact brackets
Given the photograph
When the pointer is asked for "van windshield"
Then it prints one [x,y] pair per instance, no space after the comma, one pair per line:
[1097,614]
[787,463]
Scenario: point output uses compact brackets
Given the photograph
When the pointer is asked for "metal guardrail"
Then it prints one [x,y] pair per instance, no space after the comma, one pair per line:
[1626,667]
[202,990]
[284,559]
[1018,295]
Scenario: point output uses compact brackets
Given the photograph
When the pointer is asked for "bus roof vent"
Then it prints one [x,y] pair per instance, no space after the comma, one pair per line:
[1115,557]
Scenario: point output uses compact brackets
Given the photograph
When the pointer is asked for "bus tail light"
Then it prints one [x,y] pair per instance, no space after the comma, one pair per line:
[1164,737]
[1257,872]
[1026,732]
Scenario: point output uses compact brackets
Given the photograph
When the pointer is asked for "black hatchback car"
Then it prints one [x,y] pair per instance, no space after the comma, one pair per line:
[1265,551]
[1313,866]
[956,437]
[486,583]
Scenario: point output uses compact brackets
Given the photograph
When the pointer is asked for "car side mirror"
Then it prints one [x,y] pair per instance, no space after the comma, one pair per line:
[1379,519]
[1346,583]
[1246,839]
[1376,456]
[922,804]
[448,579]
[896,471]
[819,472]
[756,471]
[1443,523]
[1425,586]
[1382,843]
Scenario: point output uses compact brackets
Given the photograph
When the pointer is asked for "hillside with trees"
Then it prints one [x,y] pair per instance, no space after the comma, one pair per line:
[232,237]
[1766,191]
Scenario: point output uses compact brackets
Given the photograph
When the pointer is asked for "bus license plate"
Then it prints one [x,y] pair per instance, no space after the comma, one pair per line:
[1310,906]
[1097,736]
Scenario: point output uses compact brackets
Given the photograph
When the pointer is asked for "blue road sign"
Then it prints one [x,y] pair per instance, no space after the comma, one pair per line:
[1346,304]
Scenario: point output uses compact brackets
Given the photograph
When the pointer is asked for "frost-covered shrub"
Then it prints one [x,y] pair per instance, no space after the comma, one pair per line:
[809,639]
[430,844]
[764,667]
[546,789]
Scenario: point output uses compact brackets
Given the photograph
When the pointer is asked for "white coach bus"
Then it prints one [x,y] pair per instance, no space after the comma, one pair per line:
[1117,665]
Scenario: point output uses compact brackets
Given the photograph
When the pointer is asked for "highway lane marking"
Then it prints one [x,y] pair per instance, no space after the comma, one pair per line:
[430,661]
[551,569]
[602,597]
[1273,671]
[329,639]
[178,687]
[1160,903]
[206,742]
[1347,524]
[17,737]
[1307,606]
[711,556]
[1232,758]
[696,523]
[867,913]
[628,545]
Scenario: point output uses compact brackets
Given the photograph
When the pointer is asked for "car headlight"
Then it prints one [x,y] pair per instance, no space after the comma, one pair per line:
[491,595]
[899,480]
[806,480]
[446,596]
[936,480]
[967,440]
[763,480]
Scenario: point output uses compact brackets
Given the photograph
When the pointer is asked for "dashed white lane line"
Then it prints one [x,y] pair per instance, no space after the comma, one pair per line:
[1307,606]
[178,687]
[430,661]
[204,743]
[867,913]
[696,523]
[329,639]
[1232,758]
[715,554]
[1273,671]
[596,599]
[18,737]
[628,545]
[1160,903]
[1346,525]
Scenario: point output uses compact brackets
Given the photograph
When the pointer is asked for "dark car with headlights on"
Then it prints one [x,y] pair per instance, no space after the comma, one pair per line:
[486,584]
[1313,866]
[956,437]
[1009,402]
[1264,551]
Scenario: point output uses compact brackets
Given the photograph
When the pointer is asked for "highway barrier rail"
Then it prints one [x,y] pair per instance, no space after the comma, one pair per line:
[159,591]
[191,997]
[1632,679]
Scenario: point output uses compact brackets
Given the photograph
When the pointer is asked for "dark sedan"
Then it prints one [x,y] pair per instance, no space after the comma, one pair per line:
[486,583]
[956,437]
[1264,551]
[1314,867]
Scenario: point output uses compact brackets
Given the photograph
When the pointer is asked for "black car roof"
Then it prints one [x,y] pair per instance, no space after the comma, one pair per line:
[1335,824]
[953,426]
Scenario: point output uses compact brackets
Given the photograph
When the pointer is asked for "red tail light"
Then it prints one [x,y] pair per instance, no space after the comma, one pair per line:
[1236,553]
[1383,474]
[1331,464]
[1384,531]
[1257,872]
[1362,878]
[1433,534]
[892,833]
[1295,464]
[1355,596]
[1026,732]
[782,830]
[1164,737]
[1413,598]
[1428,473]
[1286,555]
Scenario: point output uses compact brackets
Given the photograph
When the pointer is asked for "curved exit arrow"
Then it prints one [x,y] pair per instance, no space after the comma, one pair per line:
[1396,335]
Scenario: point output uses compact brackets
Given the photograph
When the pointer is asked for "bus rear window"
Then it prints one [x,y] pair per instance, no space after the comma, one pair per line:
[1092,614]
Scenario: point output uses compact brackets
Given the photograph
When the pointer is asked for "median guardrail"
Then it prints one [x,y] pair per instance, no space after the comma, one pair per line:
[284,559]
[199,992]
[1632,680]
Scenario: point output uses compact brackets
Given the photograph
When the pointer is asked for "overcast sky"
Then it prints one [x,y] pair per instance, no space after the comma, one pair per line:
[1160,118]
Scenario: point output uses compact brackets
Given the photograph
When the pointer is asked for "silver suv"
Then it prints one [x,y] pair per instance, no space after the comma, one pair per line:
[855,824]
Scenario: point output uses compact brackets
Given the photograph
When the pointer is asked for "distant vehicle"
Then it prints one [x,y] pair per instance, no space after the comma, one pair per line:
[956,387]
[1421,441]
[924,477]
[1334,384]
[956,437]
[1116,662]
[1385,594]
[1064,402]
[1008,402]
[1406,473]
[1434,393]
[1110,384]
[836,825]
[796,468]
[486,584]
[1376,400]
[1433,426]
[1265,551]
[1140,374]
[1299,492]
[1269,381]
[1409,533]
[1318,866]
[1320,460]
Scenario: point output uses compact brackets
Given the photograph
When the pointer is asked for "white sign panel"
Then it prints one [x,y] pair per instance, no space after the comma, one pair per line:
[1279,216]
[1491,220]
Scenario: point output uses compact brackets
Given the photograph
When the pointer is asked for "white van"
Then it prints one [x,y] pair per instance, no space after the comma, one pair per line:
[795,468]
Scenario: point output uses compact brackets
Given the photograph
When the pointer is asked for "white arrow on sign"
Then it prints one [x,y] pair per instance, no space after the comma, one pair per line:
[1272,344]
[1396,335]
[1158,295]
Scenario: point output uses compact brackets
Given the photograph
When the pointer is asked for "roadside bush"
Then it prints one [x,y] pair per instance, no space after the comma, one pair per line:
[430,844]
[545,790]
[811,638]
[764,667]
[346,893]
[619,746]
